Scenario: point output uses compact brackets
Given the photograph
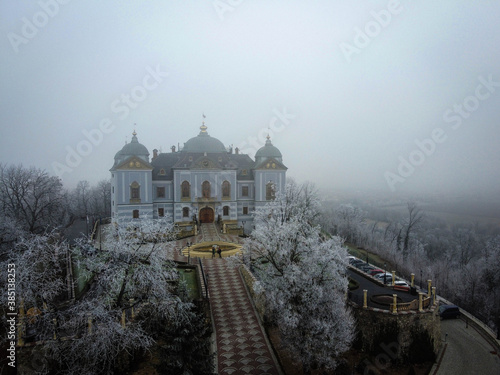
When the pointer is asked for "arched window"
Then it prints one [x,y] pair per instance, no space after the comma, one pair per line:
[226,189]
[185,189]
[205,189]
[162,172]
[135,214]
[270,191]
[135,191]
[225,211]
[185,212]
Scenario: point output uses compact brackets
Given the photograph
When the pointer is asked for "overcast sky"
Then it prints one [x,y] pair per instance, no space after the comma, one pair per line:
[391,95]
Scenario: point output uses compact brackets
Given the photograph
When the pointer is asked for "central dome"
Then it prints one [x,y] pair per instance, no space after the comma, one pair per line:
[204,143]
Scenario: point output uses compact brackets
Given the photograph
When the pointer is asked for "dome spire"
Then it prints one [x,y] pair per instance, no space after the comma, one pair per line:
[203,128]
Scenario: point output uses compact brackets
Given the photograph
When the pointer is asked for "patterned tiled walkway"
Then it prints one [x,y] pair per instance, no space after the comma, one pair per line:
[242,347]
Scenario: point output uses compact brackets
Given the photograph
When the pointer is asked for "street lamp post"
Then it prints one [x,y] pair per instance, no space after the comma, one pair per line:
[421,279]
[243,225]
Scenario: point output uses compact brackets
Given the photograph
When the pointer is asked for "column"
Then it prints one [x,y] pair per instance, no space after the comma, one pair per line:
[429,284]
[433,295]
[412,280]
[393,277]
[365,300]
[394,303]
[420,303]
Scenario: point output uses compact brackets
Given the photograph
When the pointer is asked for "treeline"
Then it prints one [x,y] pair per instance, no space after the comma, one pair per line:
[463,261]
[33,201]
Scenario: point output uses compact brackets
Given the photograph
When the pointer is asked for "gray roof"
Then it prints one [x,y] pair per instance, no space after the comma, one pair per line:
[134,148]
[194,160]
[268,151]
[204,143]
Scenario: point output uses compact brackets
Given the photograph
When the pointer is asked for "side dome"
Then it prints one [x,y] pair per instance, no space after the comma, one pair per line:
[204,143]
[268,151]
[134,148]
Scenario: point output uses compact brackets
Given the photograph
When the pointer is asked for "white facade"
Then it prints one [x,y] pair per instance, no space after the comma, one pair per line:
[203,181]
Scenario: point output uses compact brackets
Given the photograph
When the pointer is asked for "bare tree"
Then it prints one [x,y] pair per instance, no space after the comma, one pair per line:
[415,216]
[82,196]
[32,198]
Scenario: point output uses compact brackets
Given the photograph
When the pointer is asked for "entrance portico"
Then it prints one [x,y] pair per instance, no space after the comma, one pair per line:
[207,215]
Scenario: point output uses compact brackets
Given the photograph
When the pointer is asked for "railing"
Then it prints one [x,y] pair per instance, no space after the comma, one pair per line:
[204,277]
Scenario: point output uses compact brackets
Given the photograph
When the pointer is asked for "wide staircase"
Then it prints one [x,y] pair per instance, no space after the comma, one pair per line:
[209,232]
[242,345]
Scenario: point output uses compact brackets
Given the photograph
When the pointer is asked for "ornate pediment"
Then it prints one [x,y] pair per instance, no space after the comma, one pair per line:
[135,163]
[205,163]
[271,163]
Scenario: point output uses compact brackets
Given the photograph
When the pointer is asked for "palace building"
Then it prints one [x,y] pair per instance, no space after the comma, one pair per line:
[201,182]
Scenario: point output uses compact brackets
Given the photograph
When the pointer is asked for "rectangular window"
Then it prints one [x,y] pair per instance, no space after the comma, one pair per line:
[245,210]
[134,193]
[160,192]
[244,191]
[135,214]
[161,212]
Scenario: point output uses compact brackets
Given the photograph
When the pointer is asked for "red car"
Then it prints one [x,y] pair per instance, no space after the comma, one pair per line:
[375,271]
[401,285]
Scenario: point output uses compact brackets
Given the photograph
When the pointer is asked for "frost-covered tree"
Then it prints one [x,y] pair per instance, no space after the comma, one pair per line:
[133,301]
[40,263]
[303,276]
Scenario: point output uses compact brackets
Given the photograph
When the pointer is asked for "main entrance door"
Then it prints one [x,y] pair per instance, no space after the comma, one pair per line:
[207,215]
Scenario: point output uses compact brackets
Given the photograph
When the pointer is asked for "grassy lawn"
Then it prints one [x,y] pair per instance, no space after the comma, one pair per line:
[190,276]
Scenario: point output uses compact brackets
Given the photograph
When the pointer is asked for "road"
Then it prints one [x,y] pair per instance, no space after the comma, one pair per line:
[467,352]
[374,289]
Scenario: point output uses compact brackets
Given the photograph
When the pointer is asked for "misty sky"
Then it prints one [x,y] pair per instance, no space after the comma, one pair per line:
[345,88]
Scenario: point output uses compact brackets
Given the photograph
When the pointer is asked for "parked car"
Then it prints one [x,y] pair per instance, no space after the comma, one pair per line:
[365,267]
[355,261]
[380,276]
[449,311]
[376,271]
[401,285]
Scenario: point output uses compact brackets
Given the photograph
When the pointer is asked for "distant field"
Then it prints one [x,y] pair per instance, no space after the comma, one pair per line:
[485,214]
[452,218]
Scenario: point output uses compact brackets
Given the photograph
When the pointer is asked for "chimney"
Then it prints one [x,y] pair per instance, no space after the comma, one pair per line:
[172,148]
[155,154]
[236,150]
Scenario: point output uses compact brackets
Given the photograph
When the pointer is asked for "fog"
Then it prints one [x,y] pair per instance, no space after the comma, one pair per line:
[393,96]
